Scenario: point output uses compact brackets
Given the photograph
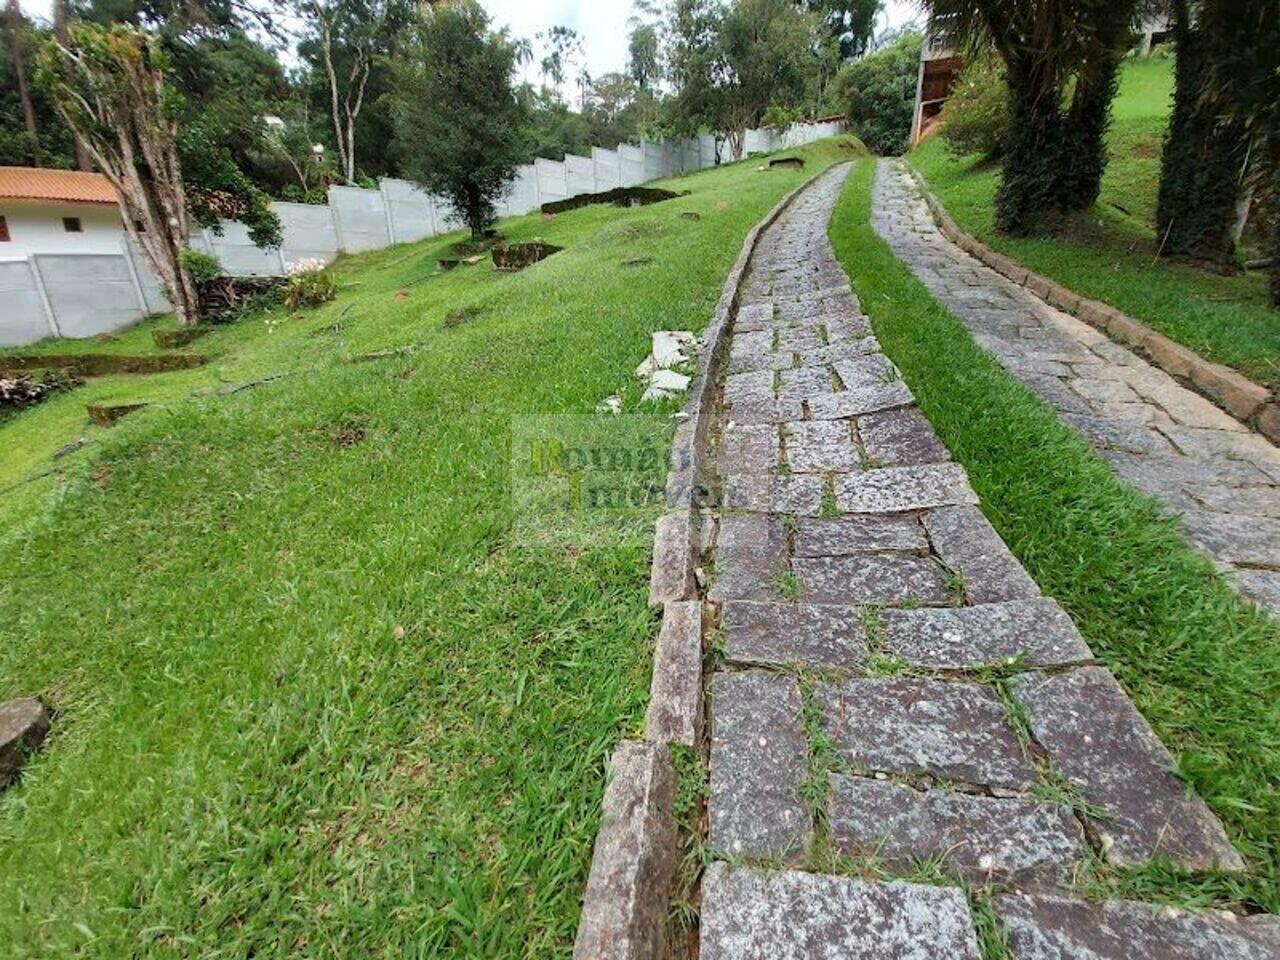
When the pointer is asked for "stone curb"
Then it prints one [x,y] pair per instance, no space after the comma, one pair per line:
[1252,404]
[624,908]
[624,911]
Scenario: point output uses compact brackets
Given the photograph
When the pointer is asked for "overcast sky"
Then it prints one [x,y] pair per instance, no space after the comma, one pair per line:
[603,23]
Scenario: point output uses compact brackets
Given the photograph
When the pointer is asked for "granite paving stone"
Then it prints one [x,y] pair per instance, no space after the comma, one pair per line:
[751,551]
[759,760]
[866,399]
[794,633]
[790,915]
[749,448]
[888,578]
[1098,740]
[982,837]
[1059,928]
[821,446]
[833,537]
[799,494]
[1036,633]
[967,543]
[954,731]
[895,489]
[901,436]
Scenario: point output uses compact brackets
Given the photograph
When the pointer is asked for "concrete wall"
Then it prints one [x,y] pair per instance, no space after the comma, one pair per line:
[580,175]
[23,318]
[108,285]
[608,168]
[632,160]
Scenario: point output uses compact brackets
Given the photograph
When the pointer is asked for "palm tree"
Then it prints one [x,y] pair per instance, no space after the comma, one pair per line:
[1061,59]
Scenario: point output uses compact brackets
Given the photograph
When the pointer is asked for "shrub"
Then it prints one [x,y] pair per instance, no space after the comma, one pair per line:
[309,284]
[976,117]
[203,267]
[878,93]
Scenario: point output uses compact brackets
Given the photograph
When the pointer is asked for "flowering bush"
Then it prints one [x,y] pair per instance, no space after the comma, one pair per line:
[309,284]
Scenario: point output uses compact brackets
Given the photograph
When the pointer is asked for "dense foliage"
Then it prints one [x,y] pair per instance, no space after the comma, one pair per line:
[975,119]
[878,92]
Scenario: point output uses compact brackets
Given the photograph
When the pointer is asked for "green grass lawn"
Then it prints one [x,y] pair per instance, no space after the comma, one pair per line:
[1110,255]
[1199,663]
[315,697]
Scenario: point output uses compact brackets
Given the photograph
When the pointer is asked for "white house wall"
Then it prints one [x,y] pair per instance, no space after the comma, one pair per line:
[36,227]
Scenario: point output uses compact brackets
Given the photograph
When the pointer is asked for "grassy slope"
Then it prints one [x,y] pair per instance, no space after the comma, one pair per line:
[1199,663]
[1110,256]
[318,699]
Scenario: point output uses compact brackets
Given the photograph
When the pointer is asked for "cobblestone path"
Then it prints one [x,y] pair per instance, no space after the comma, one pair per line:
[891,684]
[1167,440]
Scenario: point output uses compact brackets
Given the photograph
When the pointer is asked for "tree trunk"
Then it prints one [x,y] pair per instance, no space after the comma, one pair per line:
[13,24]
[83,160]
[1028,199]
[1084,145]
[475,212]
[1202,158]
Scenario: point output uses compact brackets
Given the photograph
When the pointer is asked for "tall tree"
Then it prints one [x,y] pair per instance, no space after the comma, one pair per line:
[346,39]
[877,94]
[851,22]
[694,62]
[563,48]
[768,49]
[1060,57]
[457,117]
[60,21]
[1246,82]
[109,86]
[16,36]
[1223,130]
[643,65]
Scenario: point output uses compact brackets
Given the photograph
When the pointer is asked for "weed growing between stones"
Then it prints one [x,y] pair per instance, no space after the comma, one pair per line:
[993,943]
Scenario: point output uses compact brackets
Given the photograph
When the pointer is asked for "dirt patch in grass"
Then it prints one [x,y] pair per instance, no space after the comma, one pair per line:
[619,197]
[517,256]
[98,364]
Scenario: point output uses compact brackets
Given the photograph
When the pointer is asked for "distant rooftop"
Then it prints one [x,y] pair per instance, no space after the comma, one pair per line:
[68,186]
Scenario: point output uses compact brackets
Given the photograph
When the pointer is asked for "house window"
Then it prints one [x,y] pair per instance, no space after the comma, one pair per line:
[72,225]
[4,230]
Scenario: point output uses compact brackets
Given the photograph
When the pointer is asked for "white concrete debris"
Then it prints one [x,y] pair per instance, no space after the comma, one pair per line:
[671,348]
[666,383]
[611,404]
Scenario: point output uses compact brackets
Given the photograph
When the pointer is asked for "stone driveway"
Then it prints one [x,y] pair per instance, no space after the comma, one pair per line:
[1203,465]
[891,685]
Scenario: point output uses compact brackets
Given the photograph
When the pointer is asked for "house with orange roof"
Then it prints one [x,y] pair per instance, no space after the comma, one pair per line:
[57,211]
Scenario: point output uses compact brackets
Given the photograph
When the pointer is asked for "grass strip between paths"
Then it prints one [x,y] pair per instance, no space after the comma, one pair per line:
[1199,663]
